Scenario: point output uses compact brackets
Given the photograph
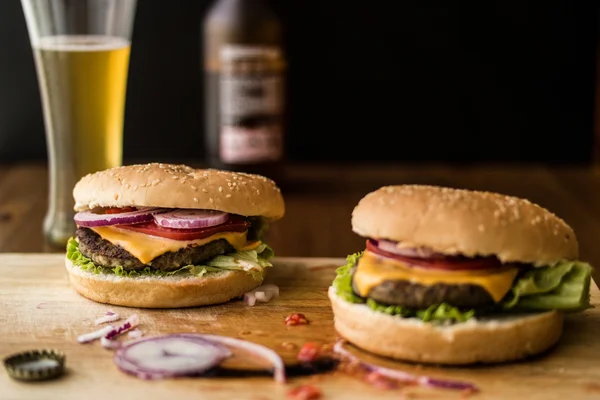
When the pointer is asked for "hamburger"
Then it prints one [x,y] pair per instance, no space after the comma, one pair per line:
[166,236]
[453,276]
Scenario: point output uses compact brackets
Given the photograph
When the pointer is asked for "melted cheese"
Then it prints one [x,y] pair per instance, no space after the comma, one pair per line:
[146,248]
[372,271]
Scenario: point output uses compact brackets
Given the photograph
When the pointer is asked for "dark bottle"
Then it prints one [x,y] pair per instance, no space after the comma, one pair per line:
[244,69]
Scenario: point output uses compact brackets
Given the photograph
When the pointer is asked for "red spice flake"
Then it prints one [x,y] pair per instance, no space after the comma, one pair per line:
[296,319]
[305,392]
[309,352]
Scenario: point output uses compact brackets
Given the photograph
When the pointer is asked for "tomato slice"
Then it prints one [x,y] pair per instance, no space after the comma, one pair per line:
[450,262]
[233,224]
[119,210]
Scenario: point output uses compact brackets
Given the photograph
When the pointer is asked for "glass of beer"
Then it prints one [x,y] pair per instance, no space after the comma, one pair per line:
[81,51]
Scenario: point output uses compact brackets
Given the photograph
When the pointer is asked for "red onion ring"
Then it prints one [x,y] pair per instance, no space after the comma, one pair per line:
[187,354]
[257,349]
[90,219]
[415,252]
[170,356]
[403,376]
[190,219]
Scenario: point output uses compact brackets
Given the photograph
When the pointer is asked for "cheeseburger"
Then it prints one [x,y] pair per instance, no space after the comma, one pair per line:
[454,276]
[165,236]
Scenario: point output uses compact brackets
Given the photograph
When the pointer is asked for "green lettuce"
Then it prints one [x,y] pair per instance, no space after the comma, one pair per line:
[440,312]
[251,261]
[564,286]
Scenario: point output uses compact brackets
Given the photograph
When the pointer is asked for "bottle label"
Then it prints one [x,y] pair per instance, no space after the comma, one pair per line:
[251,105]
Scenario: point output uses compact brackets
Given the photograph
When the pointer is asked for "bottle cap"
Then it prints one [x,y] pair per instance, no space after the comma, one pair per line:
[35,365]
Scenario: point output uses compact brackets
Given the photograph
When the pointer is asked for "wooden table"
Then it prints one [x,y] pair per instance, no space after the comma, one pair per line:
[42,311]
[320,199]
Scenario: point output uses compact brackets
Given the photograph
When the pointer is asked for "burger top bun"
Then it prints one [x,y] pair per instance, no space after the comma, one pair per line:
[180,186]
[465,222]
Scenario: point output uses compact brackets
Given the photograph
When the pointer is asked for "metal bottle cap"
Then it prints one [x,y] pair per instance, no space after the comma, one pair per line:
[35,365]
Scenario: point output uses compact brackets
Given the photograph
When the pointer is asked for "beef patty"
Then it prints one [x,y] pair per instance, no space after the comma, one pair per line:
[417,296]
[104,253]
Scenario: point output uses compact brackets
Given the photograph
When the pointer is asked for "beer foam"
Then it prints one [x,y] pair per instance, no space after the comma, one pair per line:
[81,43]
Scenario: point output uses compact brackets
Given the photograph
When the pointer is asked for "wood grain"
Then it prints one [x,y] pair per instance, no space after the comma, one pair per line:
[39,310]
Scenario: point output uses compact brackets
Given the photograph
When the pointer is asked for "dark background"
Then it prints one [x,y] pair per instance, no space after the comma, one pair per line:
[457,81]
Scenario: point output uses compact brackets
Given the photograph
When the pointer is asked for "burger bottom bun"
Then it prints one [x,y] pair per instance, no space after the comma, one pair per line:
[504,339]
[160,292]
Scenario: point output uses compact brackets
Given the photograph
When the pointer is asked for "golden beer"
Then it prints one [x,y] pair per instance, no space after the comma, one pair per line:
[83,82]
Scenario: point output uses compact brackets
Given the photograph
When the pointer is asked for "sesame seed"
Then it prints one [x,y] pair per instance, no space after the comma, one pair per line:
[220,189]
[135,187]
[205,191]
[257,191]
[175,177]
[196,199]
[194,187]
[211,200]
[116,196]
[228,195]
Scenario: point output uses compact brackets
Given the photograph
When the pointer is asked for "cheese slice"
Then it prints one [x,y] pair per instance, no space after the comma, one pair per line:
[146,248]
[372,271]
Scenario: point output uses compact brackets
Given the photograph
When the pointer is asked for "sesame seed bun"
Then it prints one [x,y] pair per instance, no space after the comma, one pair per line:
[470,223]
[180,186]
[160,292]
[501,339]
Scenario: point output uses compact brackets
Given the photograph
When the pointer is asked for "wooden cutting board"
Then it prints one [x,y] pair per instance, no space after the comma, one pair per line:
[38,309]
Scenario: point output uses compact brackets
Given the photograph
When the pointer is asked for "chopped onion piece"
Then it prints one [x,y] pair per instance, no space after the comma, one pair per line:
[262,294]
[250,298]
[135,334]
[404,376]
[107,318]
[109,343]
[88,337]
[129,323]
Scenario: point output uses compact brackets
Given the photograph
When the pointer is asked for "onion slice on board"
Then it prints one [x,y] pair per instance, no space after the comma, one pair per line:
[187,354]
[190,219]
[170,356]
[90,219]
[402,376]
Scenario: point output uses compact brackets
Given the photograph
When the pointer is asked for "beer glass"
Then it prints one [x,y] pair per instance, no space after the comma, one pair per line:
[81,51]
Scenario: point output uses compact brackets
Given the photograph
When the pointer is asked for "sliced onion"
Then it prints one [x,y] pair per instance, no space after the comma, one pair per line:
[190,219]
[187,354]
[415,252]
[109,317]
[89,337]
[135,334]
[254,348]
[109,343]
[170,356]
[402,375]
[89,218]
[262,294]
[128,324]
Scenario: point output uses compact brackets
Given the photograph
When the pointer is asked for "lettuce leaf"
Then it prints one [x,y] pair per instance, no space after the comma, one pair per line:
[440,312]
[564,286]
[252,261]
